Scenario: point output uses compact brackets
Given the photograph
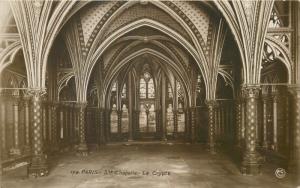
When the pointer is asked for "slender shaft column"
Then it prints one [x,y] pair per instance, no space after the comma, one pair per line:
[275,127]
[49,127]
[164,107]
[82,148]
[71,125]
[294,161]
[27,125]
[3,128]
[211,127]
[16,148]
[238,123]
[187,124]
[130,107]
[102,124]
[38,166]
[119,114]
[175,117]
[61,126]
[265,122]
[250,163]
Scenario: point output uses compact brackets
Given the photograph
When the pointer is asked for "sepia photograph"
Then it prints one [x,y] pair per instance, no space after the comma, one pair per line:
[149,93]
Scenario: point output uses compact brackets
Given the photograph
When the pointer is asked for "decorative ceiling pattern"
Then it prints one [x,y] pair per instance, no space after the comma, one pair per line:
[150,11]
[196,15]
[92,14]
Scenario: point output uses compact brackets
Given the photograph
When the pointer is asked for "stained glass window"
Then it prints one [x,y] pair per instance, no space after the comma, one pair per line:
[151,91]
[114,88]
[170,94]
[179,90]
[143,88]
[123,95]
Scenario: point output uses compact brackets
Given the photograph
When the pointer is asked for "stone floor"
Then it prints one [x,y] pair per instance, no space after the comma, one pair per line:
[160,165]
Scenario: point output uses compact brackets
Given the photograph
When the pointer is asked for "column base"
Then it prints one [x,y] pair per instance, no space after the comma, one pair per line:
[82,150]
[15,152]
[251,165]
[212,149]
[38,166]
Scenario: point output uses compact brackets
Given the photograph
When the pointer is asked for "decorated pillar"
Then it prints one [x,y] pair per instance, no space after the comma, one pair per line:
[54,127]
[294,161]
[44,125]
[27,124]
[211,127]
[250,161]
[175,117]
[102,124]
[265,122]
[193,123]
[16,148]
[238,123]
[38,166]
[82,148]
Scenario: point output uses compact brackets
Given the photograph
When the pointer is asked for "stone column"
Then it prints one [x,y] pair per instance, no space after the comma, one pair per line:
[38,166]
[82,148]
[130,106]
[265,122]
[44,125]
[3,128]
[27,125]
[163,107]
[275,127]
[119,114]
[61,127]
[187,124]
[238,122]
[49,127]
[175,118]
[250,162]
[102,124]
[71,126]
[211,127]
[16,148]
[294,161]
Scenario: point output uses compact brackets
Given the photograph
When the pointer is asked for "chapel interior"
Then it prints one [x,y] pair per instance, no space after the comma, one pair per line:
[210,86]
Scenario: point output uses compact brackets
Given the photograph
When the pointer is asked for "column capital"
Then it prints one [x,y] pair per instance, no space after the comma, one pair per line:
[211,102]
[81,104]
[36,92]
[251,91]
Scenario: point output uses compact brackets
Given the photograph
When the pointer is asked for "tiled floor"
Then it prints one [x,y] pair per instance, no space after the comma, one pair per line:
[148,165]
